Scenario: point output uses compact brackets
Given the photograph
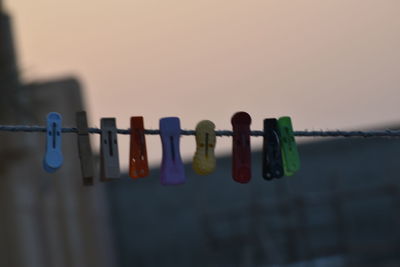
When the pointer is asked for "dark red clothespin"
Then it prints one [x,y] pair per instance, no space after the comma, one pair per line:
[241,152]
[138,164]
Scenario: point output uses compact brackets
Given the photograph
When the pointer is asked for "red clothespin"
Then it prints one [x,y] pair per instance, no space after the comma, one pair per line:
[241,152]
[138,164]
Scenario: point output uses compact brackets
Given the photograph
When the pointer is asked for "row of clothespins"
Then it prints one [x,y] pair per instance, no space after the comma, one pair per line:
[279,156]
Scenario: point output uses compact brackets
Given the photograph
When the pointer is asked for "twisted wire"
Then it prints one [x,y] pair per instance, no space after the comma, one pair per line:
[337,133]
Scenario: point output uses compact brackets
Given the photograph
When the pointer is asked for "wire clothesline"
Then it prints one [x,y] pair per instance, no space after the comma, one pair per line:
[306,133]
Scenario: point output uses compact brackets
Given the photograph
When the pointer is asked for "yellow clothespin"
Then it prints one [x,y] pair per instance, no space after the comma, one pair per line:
[204,159]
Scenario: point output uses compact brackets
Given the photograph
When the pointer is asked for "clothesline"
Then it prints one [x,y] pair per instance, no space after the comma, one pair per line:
[305,133]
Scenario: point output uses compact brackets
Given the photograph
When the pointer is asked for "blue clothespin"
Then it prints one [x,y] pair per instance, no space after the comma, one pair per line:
[53,158]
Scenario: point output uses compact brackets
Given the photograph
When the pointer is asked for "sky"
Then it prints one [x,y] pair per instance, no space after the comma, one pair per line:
[328,64]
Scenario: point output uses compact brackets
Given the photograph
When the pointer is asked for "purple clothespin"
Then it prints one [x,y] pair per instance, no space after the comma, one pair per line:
[172,170]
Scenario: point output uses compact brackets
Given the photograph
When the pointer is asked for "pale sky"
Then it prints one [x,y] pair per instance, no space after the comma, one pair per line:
[326,63]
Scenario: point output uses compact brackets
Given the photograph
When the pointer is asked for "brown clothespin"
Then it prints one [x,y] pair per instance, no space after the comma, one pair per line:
[109,162]
[84,148]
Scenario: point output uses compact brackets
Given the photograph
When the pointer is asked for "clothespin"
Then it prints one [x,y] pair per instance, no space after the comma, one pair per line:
[204,159]
[241,151]
[172,169]
[290,154]
[53,158]
[109,162]
[138,164]
[271,155]
[84,148]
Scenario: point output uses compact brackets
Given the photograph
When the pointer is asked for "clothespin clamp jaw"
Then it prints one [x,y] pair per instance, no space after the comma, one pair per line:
[84,149]
[241,150]
[53,158]
[138,164]
[271,156]
[172,169]
[204,161]
[109,162]
[290,154]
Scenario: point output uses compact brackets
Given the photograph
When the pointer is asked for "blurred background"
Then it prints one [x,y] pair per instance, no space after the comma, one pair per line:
[328,64]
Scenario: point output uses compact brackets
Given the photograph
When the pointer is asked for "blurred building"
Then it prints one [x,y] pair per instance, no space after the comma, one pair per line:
[46,220]
[341,209]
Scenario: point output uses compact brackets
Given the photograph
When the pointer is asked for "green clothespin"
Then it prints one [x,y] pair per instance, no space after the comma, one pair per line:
[290,154]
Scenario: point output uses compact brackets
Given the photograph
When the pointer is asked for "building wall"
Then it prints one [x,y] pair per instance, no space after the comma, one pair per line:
[46,219]
[341,208]
[50,219]
[8,60]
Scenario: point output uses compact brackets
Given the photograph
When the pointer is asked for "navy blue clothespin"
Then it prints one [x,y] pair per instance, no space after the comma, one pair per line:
[53,159]
[272,164]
